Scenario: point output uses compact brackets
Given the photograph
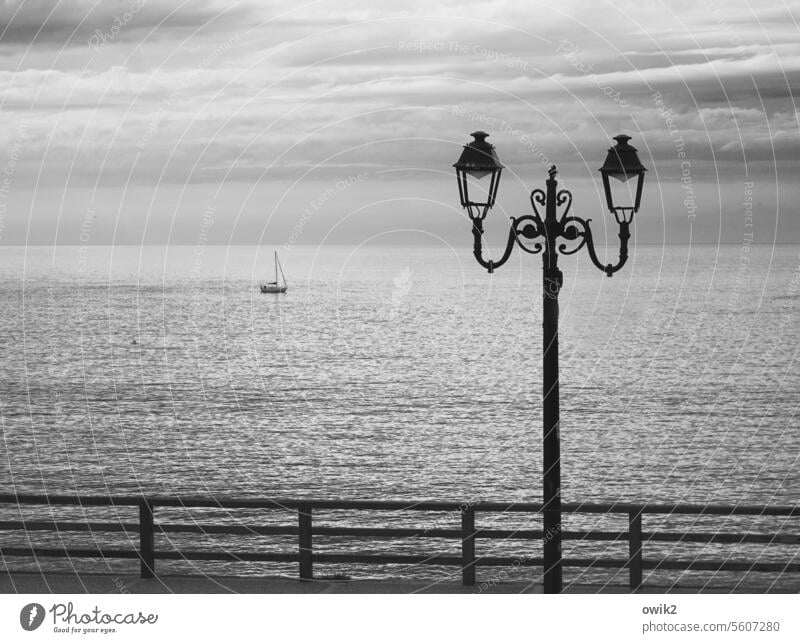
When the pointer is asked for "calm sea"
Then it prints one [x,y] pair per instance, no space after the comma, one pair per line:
[399,372]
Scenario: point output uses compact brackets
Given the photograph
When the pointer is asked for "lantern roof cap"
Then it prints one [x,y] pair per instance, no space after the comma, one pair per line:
[622,158]
[478,154]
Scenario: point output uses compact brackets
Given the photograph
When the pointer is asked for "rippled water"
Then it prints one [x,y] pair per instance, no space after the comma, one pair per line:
[398,372]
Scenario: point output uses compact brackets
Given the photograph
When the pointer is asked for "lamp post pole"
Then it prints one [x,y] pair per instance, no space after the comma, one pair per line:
[551,478]
[536,234]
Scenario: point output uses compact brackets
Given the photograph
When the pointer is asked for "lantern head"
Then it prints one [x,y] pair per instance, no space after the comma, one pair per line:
[622,164]
[478,161]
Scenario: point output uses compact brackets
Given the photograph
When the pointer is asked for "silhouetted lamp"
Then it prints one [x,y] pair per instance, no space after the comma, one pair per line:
[557,232]
[623,164]
[478,160]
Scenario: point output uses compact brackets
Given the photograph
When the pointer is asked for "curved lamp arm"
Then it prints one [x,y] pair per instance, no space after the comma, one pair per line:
[477,247]
[570,228]
[624,235]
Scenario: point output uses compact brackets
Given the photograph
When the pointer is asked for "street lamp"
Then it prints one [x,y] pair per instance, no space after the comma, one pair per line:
[535,234]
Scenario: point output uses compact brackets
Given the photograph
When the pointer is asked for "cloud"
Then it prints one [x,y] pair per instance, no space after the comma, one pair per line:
[205,91]
[73,22]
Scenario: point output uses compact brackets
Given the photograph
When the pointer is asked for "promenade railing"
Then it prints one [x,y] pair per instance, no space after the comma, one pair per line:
[468,535]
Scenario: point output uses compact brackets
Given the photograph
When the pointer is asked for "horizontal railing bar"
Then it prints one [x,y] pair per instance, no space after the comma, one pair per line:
[399,505]
[519,561]
[374,532]
[378,559]
[508,561]
[51,525]
[240,530]
[54,525]
[250,503]
[388,559]
[80,500]
[720,566]
[485,534]
[53,552]
[606,563]
[49,552]
[681,565]
[728,539]
[656,508]
[261,557]
[387,532]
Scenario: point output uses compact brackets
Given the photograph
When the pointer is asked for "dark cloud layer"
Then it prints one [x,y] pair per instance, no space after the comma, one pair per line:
[72,23]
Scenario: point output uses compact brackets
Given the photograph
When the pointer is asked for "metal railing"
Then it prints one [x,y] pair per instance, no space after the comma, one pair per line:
[468,561]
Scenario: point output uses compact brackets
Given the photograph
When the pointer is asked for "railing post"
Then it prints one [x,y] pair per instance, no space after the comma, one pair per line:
[468,546]
[147,564]
[635,549]
[304,524]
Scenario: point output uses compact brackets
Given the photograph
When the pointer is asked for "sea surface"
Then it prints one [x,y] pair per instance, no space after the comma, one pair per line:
[401,373]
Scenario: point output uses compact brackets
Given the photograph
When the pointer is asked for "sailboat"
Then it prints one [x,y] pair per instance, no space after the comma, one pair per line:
[274,286]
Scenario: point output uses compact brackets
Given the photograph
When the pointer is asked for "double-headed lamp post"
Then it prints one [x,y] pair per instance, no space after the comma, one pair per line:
[556,233]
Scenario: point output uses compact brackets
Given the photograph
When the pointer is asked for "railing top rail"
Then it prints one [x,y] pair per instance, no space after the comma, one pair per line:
[682,508]
[397,505]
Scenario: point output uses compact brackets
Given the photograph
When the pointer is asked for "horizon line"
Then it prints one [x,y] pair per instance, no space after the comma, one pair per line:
[285,246]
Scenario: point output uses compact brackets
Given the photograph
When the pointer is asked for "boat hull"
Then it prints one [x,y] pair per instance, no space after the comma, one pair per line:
[273,289]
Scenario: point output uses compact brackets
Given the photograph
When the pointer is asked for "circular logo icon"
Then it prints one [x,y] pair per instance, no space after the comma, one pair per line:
[31,616]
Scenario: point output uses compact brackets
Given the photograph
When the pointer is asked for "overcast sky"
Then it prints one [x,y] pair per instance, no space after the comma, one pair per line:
[168,121]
